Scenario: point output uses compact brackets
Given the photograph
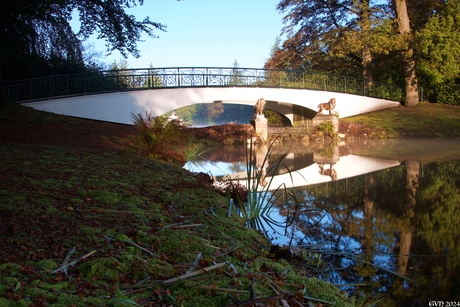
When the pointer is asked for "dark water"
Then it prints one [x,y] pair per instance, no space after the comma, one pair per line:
[380,218]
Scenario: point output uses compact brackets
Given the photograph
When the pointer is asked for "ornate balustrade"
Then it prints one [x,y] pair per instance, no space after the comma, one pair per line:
[358,183]
[139,79]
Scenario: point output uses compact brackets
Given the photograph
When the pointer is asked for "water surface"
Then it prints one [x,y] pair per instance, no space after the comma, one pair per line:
[379,217]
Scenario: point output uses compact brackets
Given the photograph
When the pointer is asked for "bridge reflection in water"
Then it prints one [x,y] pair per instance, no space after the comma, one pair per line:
[377,228]
[320,173]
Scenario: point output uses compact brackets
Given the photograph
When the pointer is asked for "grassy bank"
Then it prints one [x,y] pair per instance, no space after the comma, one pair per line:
[424,120]
[86,222]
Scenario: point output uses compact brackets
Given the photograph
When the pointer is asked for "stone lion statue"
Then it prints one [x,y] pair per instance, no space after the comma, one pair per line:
[259,107]
[329,106]
[328,172]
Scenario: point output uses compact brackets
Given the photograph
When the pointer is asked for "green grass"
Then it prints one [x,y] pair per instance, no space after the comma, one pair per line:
[424,120]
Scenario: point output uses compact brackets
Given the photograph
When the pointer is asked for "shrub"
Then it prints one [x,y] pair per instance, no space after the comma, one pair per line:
[327,129]
[159,138]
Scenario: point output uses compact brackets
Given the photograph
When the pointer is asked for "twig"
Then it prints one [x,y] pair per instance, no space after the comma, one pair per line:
[257,300]
[317,300]
[196,264]
[237,302]
[182,225]
[222,289]
[178,278]
[65,265]
[230,251]
[209,245]
[140,247]
[99,210]
[185,276]
[65,261]
[283,301]
[253,294]
[212,211]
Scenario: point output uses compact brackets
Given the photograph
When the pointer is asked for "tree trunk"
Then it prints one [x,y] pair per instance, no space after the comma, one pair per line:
[412,173]
[410,76]
[368,233]
[366,63]
[404,251]
[366,53]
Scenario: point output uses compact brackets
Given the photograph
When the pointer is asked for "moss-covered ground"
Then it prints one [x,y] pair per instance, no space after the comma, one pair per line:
[81,227]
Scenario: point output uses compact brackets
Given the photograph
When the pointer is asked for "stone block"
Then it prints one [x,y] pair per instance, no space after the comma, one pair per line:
[320,119]
[260,124]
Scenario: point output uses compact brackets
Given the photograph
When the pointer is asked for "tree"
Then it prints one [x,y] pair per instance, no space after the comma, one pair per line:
[37,38]
[237,75]
[410,76]
[214,110]
[122,76]
[153,80]
[328,35]
[438,54]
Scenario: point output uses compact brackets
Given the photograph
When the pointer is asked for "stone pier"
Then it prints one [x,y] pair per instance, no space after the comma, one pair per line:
[320,119]
[259,122]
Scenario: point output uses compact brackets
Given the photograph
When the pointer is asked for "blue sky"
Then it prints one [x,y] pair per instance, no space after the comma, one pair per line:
[205,33]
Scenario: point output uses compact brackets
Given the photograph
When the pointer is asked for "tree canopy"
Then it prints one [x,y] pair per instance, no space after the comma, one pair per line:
[438,45]
[331,35]
[393,41]
[37,38]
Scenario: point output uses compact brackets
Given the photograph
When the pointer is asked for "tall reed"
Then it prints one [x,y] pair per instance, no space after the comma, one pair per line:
[262,197]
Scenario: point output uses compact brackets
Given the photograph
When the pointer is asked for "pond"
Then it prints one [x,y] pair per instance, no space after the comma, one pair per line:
[374,217]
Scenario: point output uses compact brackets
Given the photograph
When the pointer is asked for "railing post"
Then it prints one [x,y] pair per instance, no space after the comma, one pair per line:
[364,87]
[85,83]
[30,88]
[117,81]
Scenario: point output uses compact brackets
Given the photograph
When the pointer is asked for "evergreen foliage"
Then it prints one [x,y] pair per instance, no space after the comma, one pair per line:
[439,57]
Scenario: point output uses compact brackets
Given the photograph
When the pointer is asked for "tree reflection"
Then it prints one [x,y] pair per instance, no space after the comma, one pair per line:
[386,236]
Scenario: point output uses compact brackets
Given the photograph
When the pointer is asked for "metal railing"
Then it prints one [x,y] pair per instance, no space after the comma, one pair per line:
[156,78]
[358,183]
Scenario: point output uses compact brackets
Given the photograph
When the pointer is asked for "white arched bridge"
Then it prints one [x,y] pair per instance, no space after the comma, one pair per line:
[114,95]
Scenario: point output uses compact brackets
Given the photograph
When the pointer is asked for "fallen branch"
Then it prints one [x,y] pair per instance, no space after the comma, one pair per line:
[257,300]
[192,274]
[222,289]
[65,263]
[140,247]
[178,278]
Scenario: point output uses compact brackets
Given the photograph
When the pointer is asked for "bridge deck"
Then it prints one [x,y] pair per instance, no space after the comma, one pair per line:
[114,95]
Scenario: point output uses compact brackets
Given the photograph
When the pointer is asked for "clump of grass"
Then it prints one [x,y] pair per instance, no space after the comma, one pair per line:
[261,197]
[162,139]
[327,129]
[194,149]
